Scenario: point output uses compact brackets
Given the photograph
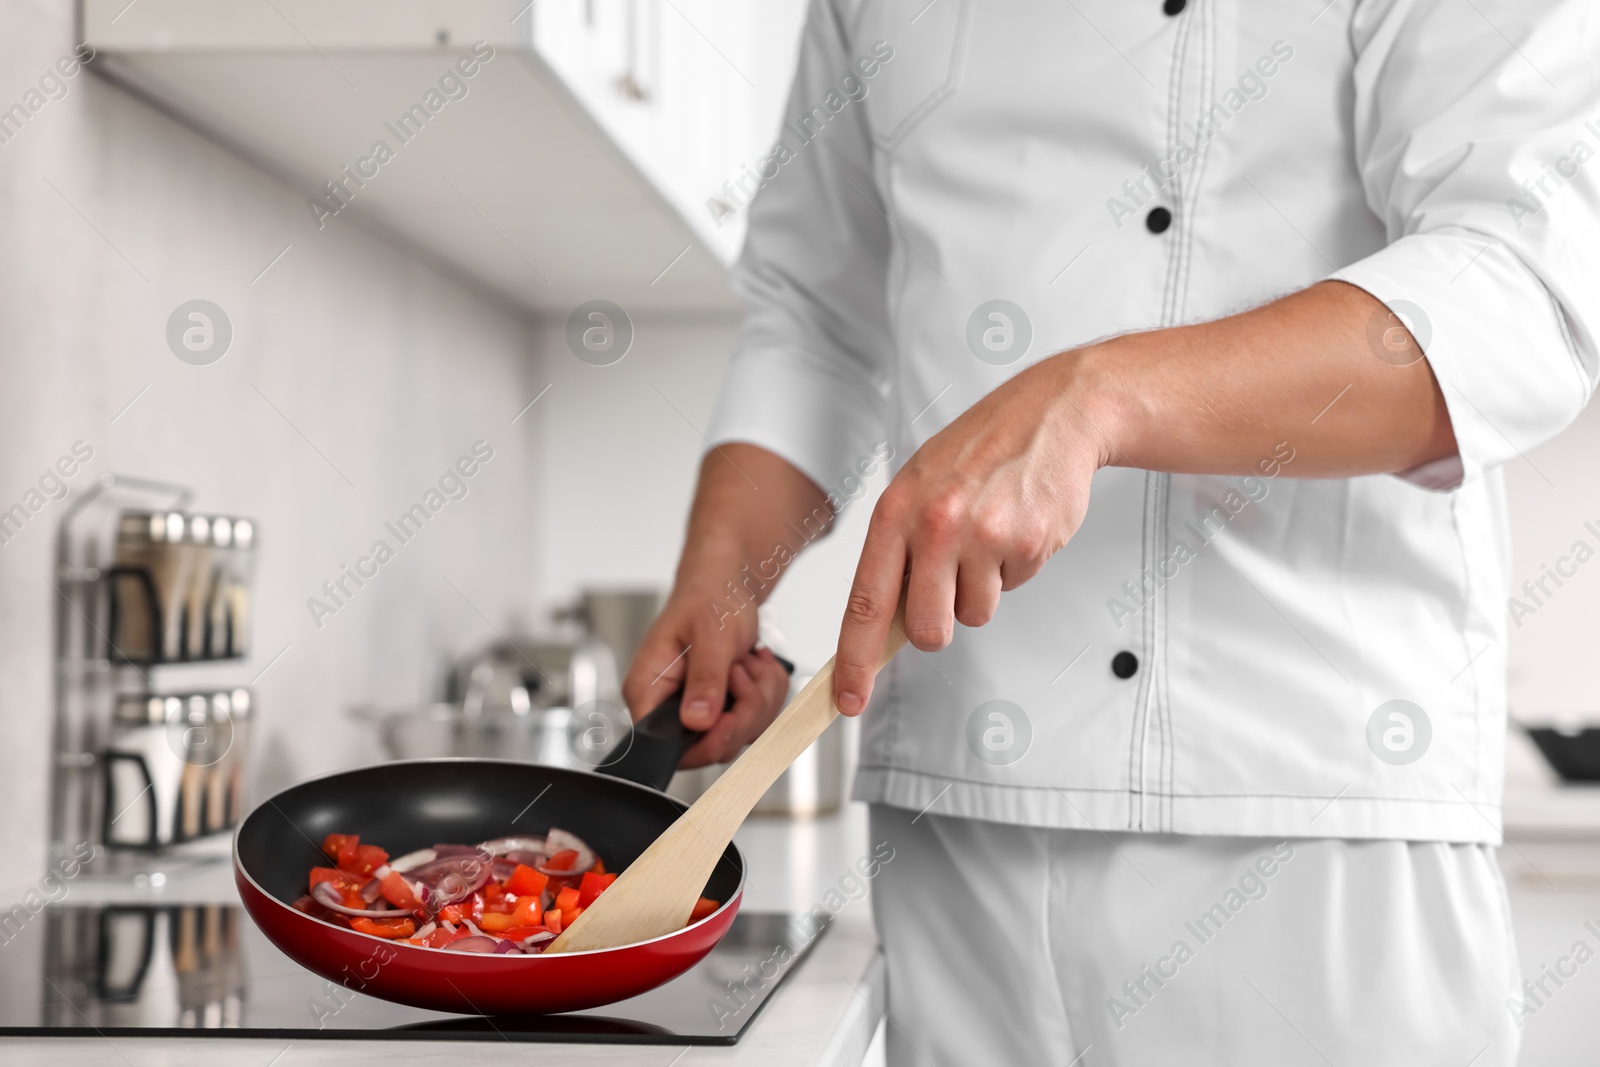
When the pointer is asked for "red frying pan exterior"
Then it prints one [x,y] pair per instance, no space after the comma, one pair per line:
[478,984]
[414,804]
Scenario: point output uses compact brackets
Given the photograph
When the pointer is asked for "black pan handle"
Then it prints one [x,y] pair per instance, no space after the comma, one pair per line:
[653,749]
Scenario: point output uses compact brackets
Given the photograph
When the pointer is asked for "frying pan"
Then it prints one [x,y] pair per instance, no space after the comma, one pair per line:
[414,804]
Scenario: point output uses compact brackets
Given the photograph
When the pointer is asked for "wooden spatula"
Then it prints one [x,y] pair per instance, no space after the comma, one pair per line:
[657,892]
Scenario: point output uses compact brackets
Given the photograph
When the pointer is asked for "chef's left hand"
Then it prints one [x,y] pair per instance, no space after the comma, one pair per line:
[978,509]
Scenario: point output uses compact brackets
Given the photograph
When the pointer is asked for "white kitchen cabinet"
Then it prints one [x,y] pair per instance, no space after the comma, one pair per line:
[577,167]
[692,90]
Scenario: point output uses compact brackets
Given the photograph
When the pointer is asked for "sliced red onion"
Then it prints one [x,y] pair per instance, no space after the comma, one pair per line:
[505,946]
[372,889]
[470,925]
[502,845]
[426,930]
[452,879]
[451,852]
[475,943]
[517,855]
[412,860]
[323,893]
[537,939]
[561,841]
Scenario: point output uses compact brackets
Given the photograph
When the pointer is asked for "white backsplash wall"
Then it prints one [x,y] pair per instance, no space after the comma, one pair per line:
[356,375]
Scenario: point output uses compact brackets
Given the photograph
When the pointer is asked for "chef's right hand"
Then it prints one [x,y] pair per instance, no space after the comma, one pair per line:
[699,642]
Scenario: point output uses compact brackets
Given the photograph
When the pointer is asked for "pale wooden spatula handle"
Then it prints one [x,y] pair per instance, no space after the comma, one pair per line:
[657,892]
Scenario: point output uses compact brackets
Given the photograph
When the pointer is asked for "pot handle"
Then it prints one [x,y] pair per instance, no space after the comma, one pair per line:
[650,753]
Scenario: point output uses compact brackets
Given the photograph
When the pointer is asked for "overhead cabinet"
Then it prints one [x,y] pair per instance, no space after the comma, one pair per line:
[555,152]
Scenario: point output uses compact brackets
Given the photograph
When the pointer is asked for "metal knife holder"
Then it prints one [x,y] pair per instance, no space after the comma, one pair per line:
[145,587]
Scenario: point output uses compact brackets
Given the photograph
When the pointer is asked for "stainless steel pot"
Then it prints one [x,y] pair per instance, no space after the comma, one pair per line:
[555,704]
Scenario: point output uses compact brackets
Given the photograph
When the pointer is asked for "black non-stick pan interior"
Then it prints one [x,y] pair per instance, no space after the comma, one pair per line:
[416,804]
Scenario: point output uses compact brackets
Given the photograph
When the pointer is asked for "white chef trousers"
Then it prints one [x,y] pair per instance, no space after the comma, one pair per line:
[1020,945]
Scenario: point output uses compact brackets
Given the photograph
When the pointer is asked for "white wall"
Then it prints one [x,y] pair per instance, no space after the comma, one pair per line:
[389,368]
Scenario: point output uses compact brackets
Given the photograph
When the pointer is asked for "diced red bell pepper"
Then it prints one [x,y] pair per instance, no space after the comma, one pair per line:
[518,933]
[552,921]
[703,907]
[599,866]
[570,916]
[394,929]
[341,848]
[527,911]
[525,881]
[567,899]
[563,860]
[592,886]
[471,908]
[451,913]
[496,922]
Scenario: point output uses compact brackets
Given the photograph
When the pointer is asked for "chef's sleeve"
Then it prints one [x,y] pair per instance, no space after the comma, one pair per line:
[1477,133]
[807,378]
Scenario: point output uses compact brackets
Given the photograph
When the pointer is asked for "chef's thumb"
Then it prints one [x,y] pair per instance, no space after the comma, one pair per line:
[707,685]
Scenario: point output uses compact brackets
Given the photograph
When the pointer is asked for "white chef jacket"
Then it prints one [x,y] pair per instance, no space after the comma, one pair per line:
[936,157]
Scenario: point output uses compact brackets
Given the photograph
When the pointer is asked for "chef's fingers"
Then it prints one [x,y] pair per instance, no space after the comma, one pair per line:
[977,591]
[1017,570]
[736,727]
[931,595]
[658,668]
[771,676]
[868,614]
[713,653]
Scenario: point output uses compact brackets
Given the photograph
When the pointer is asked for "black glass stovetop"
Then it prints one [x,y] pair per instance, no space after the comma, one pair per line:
[205,970]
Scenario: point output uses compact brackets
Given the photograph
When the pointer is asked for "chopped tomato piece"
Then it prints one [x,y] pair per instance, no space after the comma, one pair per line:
[567,899]
[442,937]
[563,860]
[341,880]
[527,911]
[393,929]
[365,860]
[703,907]
[397,891]
[592,886]
[341,847]
[525,881]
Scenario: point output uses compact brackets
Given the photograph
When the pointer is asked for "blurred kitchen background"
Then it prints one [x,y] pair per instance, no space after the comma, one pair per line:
[595,152]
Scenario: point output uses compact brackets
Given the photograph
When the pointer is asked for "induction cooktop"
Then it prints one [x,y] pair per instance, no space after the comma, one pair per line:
[205,970]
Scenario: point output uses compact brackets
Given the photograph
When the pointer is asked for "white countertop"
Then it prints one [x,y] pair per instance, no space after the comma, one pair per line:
[827,1012]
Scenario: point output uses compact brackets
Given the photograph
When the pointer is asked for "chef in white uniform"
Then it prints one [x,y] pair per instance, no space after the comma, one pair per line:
[1204,329]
